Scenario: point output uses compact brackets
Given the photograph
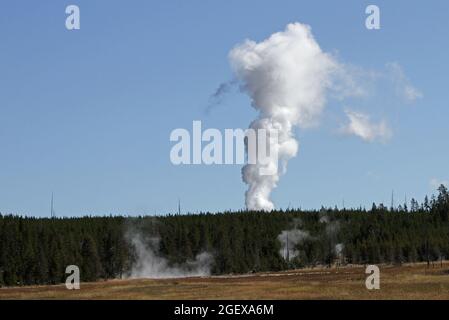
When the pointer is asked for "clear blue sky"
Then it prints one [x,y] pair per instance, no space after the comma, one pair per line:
[87,114]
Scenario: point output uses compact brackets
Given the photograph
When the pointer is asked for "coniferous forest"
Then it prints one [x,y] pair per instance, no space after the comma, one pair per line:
[37,250]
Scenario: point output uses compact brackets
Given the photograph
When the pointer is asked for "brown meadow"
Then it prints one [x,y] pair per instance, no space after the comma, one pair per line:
[415,281]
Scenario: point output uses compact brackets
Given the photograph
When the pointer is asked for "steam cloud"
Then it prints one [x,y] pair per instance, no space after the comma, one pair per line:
[361,125]
[289,239]
[150,265]
[339,249]
[332,230]
[402,84]
[286,77]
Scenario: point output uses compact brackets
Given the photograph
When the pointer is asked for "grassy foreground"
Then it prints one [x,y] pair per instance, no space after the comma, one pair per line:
[396,282]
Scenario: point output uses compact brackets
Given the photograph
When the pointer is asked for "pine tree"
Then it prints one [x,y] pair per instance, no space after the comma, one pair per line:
[91,267]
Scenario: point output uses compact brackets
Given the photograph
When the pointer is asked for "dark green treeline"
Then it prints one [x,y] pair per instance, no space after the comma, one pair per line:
[37,250]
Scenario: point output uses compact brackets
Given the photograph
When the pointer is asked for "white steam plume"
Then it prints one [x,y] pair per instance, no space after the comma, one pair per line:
[289,239]
[151,265]
[339,247]
[286,76]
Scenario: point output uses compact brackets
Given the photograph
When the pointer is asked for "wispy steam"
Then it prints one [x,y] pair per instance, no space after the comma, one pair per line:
[402,84]
[339,249]
[289,240]
[286,76]
[149,264]
[362,126]
[332,229]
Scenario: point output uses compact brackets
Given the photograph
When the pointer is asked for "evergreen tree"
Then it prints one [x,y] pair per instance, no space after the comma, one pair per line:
[91,267]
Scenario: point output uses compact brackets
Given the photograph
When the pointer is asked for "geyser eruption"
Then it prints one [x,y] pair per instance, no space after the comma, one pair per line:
[286,77]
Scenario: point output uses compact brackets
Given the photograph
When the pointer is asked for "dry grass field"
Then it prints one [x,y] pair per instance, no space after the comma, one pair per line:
[396,282]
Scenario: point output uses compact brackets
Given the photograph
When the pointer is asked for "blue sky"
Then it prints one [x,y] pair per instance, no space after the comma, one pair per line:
[87,114]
